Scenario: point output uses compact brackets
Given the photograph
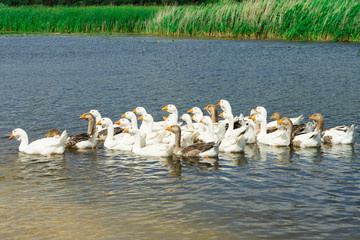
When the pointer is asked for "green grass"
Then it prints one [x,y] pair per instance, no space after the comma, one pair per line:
[320,20]
[75,19]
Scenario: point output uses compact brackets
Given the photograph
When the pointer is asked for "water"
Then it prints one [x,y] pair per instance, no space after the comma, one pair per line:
[264,193]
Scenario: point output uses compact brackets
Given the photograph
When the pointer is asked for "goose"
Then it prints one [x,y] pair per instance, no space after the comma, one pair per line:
[189,124]
[173,113]
[84,140]
[196,110]
[234,139]
[140,111]
[311,139]
[210,149]
[280,137]
[157,150]
[43,146]
[119,143]
[151,135]
[231,132]
[53,133]
[335,135]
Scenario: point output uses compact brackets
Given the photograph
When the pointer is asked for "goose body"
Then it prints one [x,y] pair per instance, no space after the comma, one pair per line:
[277,116]
[210,149]
[157,149]
[335,135]
[84,140]
[120,143]
[43,146]
[304,140]
[280,137]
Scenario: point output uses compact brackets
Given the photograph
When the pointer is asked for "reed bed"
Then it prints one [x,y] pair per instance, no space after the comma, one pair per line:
[331,20]
[76,19]
[321,20]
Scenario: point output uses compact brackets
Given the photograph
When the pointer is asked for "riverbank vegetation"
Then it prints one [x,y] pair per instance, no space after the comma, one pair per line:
[321,20]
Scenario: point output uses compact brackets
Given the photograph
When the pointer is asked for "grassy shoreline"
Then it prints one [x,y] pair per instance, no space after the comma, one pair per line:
[322,20]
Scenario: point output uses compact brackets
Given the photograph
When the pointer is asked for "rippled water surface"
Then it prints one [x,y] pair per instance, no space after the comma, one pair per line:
[264,193]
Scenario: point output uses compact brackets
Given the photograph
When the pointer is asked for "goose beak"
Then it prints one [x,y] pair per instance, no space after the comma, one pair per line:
[201,120]
[221,114]
[117,122]
[253,117]
[126,130]
[82,116]
[134,111]
[191,111]
[206,108]
[272,116]
[219,104]
[279,121]
[168,128]
[141,118]
[311,117]
[11,136]
[165,108]
[192,117]
[98,123]
[165,118]
[181,117]
[124,115]
[255,109]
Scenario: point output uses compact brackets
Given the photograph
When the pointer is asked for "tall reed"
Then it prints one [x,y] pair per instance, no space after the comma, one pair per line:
[331,20]
[336,20]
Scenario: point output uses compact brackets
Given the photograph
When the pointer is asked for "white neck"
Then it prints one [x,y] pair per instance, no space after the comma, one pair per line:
[24,141]
[110,135]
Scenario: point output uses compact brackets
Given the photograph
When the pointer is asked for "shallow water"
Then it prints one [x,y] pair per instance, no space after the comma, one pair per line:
[264,193]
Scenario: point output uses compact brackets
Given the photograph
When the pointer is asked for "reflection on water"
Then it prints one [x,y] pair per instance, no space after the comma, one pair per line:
[263,193]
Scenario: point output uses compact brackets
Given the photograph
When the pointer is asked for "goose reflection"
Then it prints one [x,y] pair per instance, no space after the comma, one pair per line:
[341,151]
[283,154]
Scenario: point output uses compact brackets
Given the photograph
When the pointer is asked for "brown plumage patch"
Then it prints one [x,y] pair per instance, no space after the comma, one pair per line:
[327,139]
[196,149]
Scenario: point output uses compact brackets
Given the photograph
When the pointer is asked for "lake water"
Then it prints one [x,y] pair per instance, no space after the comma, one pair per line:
[264,193]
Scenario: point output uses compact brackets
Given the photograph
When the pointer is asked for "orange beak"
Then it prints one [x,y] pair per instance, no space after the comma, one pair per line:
[311,117]
[253,117]
[124,116]
[255,109]
[11,136]
[165,108]
[134,111]
[126,130]
[98,123]
[117,122]
[168,128]
[221,114]
[279,121]
[206,108]
[191,111]
[272,116]
[82,116]
[219,104]
[201,120]
[192,118]
[140,118]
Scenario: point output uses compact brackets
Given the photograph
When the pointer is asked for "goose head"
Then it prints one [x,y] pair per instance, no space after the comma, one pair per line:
[174,129]
[224,105]
[129,115]
[185,117]
[319,121]
[196,117]
[139,111]
[87,116]
[285,121]
[131,130]
[104,122]
[195,110]
[53,133]
[17,133]
[146,118]
[95,113]
[261,111]
[170,108]
[123,122]
[206,120]
[227,115]
[277,116]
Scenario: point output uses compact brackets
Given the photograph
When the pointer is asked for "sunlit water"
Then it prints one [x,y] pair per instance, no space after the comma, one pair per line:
[264,193]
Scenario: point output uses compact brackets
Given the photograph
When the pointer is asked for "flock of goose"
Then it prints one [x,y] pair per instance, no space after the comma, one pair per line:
[197,136]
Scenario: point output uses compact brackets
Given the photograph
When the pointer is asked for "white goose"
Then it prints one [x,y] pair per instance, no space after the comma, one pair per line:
[335,135]
[280,137]
[234,139]
[277,116]
[158,149]
[173,113]
[123,143]
[43,146]
[152,135]
[97,117]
